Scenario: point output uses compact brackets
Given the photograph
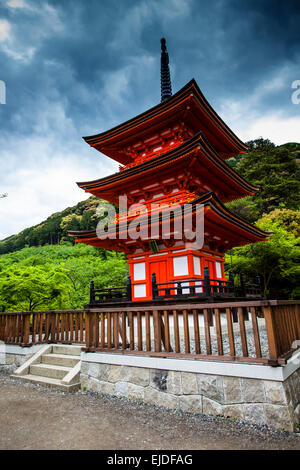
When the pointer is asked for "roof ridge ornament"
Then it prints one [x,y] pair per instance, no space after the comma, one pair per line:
[165,78]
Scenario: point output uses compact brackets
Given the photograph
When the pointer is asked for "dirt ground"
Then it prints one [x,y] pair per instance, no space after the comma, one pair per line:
[39,418]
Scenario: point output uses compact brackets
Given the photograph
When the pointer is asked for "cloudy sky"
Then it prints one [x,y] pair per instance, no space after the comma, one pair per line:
[78,67]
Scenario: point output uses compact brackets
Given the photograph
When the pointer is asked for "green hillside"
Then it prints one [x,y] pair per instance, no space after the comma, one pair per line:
[53,230]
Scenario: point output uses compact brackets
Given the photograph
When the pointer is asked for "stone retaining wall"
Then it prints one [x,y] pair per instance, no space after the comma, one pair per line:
[12,357]
[257,394]
[262,402]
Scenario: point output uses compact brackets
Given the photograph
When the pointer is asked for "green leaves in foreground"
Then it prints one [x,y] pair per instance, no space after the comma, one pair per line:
[56,277]
[277,260]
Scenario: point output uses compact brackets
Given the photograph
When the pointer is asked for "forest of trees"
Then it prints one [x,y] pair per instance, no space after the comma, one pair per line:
[53,231]
[41,268]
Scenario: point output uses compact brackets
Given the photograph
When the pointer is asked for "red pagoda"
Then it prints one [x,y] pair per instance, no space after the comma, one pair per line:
[173,154]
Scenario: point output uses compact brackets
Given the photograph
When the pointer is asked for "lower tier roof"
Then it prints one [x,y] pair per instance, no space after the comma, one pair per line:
[222,228]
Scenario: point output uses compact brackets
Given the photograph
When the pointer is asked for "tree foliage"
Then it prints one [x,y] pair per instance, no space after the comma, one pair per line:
[277,260]
[276,171]
[56,276]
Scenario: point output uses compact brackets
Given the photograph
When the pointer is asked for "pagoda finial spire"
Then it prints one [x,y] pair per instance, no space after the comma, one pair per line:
[165,78]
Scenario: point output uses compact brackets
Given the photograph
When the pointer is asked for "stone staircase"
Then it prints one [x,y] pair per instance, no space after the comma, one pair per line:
[54,365]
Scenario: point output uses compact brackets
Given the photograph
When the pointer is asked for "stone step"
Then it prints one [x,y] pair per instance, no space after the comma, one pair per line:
[49,370]
[66,360]
[69,350]
[48,382]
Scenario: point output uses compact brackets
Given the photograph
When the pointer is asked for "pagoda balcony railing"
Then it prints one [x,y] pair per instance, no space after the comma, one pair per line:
[111,294]
[205,288]
[200,288]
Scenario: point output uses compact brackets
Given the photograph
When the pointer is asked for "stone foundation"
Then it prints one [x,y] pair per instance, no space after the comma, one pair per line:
[12,357]
[260,401]
[253,393]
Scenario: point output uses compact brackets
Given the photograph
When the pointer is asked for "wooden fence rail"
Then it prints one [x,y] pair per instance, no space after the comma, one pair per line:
[253,331]
[27,328]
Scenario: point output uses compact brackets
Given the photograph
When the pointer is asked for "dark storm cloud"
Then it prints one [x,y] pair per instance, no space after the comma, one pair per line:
[75,67]
[229,46]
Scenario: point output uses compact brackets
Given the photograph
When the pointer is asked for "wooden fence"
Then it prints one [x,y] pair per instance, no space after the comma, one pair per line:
[253,331]
[27,328]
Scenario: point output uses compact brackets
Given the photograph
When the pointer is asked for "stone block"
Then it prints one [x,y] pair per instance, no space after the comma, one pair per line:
[93,370]
[211,407]
[233,411]
[297,414]
[151,395]
[191,403]
[252,391]
[291,392]
[121,389]
[168,401]
[275,393]
[232,390]
[189,383]
[174,383]
[135,392]
[279,417]
[104,370]
[84,368]
[138,376]
[107,388]
[94,385]
[254,413]
[117,373]
[155,397]
[211,386]
[287,392]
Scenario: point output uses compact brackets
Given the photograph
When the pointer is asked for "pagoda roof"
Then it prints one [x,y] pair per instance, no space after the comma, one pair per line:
[196,152]
[228,227]
[188,104]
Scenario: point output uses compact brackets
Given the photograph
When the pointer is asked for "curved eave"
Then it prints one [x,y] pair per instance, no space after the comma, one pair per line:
[166,110]
[154,165]
[219,208]
[252,234]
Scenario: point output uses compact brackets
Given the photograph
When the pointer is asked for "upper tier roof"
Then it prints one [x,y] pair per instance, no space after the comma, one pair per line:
[187,104]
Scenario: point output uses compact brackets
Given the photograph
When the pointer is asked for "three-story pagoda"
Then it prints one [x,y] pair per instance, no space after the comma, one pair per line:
[173,154]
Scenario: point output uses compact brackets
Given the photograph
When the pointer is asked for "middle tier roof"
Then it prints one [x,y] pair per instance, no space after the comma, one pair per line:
[194,166]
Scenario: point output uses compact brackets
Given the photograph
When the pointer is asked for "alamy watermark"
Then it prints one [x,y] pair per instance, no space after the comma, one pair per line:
[148,222]
[296,94]
[2,92]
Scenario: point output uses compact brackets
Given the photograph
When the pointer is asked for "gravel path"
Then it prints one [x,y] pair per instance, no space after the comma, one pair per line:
[38,418]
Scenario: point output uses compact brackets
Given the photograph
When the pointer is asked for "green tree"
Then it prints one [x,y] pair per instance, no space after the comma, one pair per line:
[277,260]
[276,171]
[26,288]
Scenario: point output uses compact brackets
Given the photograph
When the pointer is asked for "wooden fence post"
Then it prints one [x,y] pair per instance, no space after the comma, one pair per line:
[26,330]
[52,327]
[157,331]
[88,329]
[271,332]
